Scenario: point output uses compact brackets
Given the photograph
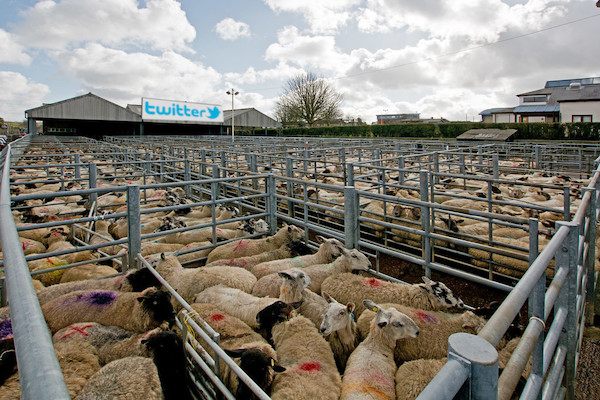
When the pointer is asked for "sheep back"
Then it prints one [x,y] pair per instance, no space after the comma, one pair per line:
[413,376]
[311,371]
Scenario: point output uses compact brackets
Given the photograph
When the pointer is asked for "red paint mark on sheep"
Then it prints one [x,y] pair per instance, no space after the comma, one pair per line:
[310,367]
[217,317]
[428,318]
[241,244]
[74,330]
[373,282]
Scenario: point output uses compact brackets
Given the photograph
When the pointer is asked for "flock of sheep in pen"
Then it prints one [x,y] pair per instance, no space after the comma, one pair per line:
[301,324]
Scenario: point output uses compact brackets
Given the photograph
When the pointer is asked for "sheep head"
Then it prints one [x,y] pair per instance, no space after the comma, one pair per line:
[391,324]
[158,304]
[258,366]
[337,317]
[440,292]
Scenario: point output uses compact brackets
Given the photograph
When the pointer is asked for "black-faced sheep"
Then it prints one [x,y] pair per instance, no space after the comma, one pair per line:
[339,328]
[430,295]
[254,355]
[328,251]
[371,369]
[249,247]
[349,261]
[188,282]
[311,372]
[435,328]
[133,311]
[133,281]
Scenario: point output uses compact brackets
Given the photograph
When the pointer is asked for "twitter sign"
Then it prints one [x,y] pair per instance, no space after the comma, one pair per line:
[169,110]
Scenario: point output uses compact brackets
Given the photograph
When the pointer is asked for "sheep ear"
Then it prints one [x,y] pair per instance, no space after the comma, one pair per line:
[371,306]
[235,353]
[162,256]
[296,304]
[350,307]
[327,297]
[320,238]
[284,275]
[276,367]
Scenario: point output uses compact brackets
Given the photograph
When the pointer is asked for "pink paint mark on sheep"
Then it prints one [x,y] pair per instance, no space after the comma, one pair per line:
[310,366]
[24,245]
[241,244]
[372,282]
[75,330]
[217,317]
[425,317]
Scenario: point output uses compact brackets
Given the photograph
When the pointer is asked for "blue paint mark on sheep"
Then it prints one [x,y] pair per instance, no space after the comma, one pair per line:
[98,298]
[6,329]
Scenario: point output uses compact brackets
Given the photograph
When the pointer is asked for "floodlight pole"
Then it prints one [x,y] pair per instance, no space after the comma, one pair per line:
[233,93]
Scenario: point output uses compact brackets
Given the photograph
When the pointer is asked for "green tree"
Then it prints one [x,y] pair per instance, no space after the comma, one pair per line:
[308,99]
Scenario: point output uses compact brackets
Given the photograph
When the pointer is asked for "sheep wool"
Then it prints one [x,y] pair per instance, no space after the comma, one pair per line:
[413,376]
[133,311]
[311,372]
[431,295]
[435,329]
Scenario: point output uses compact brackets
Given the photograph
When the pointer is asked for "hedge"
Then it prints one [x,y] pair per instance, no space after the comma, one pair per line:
[554,131]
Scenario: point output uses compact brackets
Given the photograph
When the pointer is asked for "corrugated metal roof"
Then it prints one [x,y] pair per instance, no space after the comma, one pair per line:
[537,109]
[496,135]
[250,117]
[562,93]
[500,110]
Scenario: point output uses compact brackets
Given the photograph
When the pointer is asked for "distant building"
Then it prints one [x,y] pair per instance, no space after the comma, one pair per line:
[391,119]
[567,100]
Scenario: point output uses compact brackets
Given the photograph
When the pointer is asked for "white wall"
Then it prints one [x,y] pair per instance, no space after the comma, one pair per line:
[507,117]
[570,108]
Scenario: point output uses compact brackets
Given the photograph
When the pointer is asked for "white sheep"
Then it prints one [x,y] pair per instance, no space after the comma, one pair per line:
[133,311]
[252,352]
[190,281]
[328,251]
[349,261]
[311,372]
[294,289]
[435,328]
[429,295]
[371,370]
[413,376]
[285,251]
[249,227]
[249,247]
[339,328]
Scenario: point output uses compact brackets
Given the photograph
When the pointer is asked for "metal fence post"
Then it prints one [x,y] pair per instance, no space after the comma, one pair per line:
[289,172]
[351,225]
[187,176]
[214,186]
[77,166]
[482,383]
[496,169]
[426,221]
[567,255]
[590,261]
[350,172]
[271,206]
[134,231]
[92,176]
[402,166]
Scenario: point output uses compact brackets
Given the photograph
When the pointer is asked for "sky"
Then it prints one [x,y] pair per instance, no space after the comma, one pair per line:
[439,58]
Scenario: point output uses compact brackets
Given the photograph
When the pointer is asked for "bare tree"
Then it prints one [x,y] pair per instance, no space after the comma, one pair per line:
[307,99]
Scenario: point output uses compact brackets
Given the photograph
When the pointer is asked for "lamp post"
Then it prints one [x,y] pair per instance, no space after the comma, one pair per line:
[233,93]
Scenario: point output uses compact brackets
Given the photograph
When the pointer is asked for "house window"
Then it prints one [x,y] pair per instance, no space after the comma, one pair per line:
[534,99]
[582,118]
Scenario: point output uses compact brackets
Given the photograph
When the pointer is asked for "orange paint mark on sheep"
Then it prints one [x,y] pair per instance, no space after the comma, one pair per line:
[373,282]
[310,366]
[365,387]
[217,317]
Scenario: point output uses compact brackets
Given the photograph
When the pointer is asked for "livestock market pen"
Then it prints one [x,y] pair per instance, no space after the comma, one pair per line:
[516,217]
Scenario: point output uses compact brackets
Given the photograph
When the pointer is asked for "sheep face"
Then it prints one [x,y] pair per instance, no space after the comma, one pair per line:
[142,279]
[294,233]
[273,314]
[444,296]
[158,305]
[337,317]
[294,279]
[258,366]
[358,261]
[395,324]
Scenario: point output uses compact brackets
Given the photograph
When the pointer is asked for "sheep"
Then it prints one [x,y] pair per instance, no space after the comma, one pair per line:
[435,327]
[111,342]
[339,329]
[371,370]
[31,246]
[285,251]
[190,281]
[47,278]
[101,228]
[413,376]
[429,295]
[87,271]
[162,377]
[256,357]
[349,261]
[133,311]
[133,281]
[204,234]
[311,372]
[328,251]
[249,247]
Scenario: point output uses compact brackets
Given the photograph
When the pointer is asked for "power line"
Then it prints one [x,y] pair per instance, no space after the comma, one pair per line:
[451,53]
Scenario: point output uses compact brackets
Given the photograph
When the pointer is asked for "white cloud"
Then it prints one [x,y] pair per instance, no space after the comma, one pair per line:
[161,25]
[128,76]
[12,52]
[312,52]
[230,29]
[19,94]
[322,16]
